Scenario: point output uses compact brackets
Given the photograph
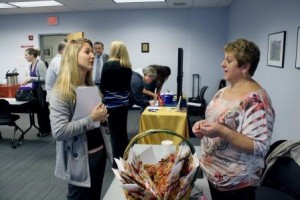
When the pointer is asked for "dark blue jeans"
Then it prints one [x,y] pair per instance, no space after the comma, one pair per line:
[97,162]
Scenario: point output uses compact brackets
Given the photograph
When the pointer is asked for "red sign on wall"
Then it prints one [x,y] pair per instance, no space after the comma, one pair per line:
[52,20]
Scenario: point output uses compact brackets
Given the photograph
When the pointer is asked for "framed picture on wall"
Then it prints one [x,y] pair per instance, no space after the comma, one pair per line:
[298,49]
[276,48]
[145,47]
[48,52]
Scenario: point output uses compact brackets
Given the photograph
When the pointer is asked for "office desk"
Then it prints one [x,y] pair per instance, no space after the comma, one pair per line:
[163,118]
[116,192]
[8,91]
[14,102]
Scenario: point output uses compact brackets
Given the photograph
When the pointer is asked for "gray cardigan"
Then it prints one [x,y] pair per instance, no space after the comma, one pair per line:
[71,143]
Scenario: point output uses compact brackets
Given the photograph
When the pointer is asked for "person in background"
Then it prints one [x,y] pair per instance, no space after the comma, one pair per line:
[47,64]
[38,68]
[115,87]
[81,156]
[154,88]
[99,60]
[138,79]
[53,69]
[237,132]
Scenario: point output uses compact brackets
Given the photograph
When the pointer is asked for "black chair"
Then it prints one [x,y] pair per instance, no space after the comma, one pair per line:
[281,182]
[198,110]
[9,119]
[196,113]
[222,84]
[202,101]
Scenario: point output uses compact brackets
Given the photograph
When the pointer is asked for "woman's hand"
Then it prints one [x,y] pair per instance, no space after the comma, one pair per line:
[151,103]
[99,113]
[197,128]
[213,129]
[240,141]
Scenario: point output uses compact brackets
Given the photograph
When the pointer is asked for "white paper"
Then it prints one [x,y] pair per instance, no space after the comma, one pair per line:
[87,98]
[153,108]
[148,156]
[194,104]
[153,154]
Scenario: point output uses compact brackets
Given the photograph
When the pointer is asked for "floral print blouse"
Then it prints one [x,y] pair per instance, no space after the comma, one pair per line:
[253,116]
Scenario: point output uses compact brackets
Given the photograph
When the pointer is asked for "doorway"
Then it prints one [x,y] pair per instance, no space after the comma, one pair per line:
[48,45]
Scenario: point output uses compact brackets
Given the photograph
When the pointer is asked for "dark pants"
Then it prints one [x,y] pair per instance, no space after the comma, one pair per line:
[42,113]
[247,193]
[117,122]
[97,162]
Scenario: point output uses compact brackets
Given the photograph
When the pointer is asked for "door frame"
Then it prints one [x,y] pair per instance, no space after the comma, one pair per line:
[41,41]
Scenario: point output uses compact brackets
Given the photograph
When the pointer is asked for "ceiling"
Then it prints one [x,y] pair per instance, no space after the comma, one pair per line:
[103,5]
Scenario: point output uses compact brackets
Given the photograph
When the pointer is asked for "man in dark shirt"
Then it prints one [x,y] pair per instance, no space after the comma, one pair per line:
[139,77]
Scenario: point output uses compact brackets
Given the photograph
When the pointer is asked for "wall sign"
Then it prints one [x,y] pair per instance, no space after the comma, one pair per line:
[52,21]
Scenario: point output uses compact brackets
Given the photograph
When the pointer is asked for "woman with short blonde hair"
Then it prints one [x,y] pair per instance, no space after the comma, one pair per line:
[237,131]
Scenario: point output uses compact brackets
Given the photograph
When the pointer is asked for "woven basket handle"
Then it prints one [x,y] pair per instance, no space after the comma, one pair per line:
[151,132]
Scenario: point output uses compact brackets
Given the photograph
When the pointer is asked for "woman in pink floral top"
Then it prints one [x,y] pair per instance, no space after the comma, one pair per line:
[238,127]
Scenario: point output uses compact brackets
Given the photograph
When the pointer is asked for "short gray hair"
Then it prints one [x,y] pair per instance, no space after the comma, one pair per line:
[150,71]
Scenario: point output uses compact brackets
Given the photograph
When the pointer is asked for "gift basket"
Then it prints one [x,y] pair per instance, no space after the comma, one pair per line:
[172,177]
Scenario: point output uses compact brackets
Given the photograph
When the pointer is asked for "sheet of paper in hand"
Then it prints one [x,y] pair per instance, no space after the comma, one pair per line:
[87,97]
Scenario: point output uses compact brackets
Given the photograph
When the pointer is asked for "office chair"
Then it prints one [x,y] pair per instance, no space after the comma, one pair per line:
[8,119]
[196,113]
[202,101]
[281,181]
[222,84]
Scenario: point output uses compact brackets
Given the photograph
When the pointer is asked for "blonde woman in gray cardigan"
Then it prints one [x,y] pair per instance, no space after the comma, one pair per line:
[81,157]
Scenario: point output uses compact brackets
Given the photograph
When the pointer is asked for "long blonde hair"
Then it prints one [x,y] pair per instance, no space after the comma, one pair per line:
[69,75]
[118,51]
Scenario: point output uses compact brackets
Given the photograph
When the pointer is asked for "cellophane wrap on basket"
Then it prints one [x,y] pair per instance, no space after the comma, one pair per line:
[170,178]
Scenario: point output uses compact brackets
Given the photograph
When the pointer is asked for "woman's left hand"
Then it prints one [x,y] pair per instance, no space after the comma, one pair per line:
[212,129]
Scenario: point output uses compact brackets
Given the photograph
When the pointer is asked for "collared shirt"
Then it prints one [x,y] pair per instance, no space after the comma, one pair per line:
[51,74]
[97,74]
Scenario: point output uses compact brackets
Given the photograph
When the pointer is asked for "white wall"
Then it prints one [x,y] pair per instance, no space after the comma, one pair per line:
[200,32]
[254,20]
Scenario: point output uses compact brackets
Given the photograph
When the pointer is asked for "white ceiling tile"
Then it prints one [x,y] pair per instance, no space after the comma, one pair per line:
[92,5]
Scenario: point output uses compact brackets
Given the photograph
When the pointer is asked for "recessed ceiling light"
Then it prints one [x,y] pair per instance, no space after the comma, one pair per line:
[29,4]
[5,5]
[137,1]
[179,4]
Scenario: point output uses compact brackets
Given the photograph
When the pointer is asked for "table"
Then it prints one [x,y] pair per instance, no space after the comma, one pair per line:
[23,107]
[14,102]
[115,191]
[164,118]
[8,91]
